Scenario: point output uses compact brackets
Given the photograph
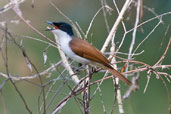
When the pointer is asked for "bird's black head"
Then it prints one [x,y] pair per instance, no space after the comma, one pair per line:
[62,26]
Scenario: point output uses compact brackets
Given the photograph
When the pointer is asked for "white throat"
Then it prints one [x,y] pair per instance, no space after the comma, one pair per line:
[63,37]
[64,40]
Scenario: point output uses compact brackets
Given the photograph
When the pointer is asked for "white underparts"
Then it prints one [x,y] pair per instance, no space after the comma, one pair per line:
[64,40]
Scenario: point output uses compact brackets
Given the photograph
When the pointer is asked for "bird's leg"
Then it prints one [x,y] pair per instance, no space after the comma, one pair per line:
[80,66]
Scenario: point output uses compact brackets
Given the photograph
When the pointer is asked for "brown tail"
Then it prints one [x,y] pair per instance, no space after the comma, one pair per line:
[119,75]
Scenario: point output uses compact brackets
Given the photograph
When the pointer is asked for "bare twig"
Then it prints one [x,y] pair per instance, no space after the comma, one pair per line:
[148,80]
[3,103]
[164,54]
[75,91]
[30,62]
[102,101]
[66,63]
[116,83]
[74,26]
[149,20]
[103,3]
[8,6]
[16,9]
[134,32]
[90,25]
[117,22]
[7,71]
[147,37]
[124,27]
[48,70]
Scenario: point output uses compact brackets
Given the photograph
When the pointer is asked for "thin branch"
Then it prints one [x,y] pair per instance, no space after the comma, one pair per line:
[75,91]
[16,9]
[66,63]
[74,26]
[8,6]
[149,20]
[29,77]
[124,27]
[116,82]
[134,32]
[103,3]
[147,36]
[164,54]
[90,25]
[39,40]
[138,70]
[7,71]
[115,26]
[30,62]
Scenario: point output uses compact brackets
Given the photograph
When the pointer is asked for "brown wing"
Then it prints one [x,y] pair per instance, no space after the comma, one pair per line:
[86,50]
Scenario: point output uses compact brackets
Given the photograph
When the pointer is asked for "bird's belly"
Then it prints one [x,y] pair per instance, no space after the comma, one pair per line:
[67,50]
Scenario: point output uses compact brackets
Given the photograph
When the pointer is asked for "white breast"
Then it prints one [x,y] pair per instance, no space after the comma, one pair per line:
[64,40]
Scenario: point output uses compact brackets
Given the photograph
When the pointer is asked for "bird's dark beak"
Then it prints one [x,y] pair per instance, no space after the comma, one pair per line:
[50,23]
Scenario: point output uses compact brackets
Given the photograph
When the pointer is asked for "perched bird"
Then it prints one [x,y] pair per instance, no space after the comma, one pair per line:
[82,51]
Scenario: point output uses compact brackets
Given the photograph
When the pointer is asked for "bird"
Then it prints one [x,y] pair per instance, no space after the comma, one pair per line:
[80,50]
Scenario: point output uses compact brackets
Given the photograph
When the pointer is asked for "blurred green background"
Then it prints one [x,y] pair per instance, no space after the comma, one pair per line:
[154,101]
